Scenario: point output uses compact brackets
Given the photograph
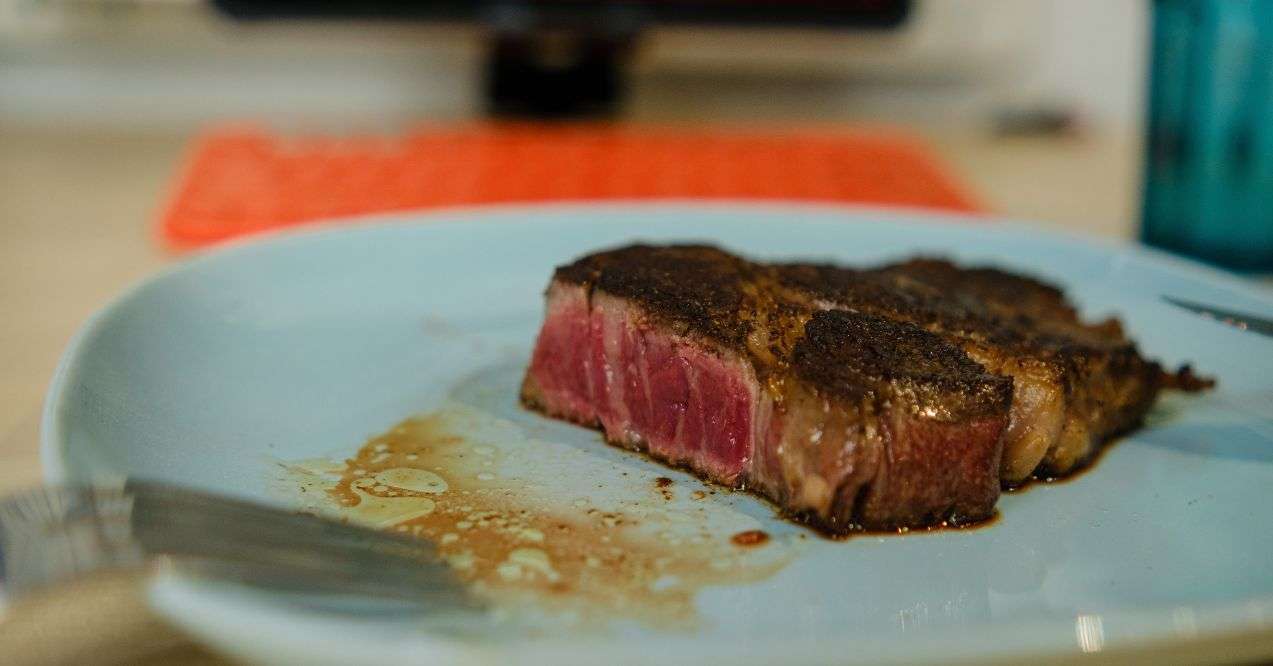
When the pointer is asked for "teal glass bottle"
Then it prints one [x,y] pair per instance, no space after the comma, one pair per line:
[1208,189]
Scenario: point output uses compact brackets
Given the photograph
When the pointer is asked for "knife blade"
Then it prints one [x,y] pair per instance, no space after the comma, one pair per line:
[1240,320]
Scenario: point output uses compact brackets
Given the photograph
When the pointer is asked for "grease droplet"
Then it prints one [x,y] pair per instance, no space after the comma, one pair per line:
[750,538]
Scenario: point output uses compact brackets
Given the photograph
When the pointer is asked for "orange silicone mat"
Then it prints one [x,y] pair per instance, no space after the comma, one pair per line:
[239,181]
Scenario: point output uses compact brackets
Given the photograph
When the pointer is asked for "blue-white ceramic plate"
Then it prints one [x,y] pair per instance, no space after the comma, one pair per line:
[302,345]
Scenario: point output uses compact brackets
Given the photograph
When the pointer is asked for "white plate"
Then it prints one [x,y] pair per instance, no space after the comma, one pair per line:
[303,345]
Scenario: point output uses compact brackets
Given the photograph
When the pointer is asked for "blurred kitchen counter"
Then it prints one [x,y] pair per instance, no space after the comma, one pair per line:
[77,211]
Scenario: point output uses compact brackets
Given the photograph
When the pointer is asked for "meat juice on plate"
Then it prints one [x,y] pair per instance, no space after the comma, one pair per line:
[543,528]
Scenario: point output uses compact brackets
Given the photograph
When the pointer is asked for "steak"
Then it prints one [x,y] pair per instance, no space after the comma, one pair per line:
[704,360]
[897,396]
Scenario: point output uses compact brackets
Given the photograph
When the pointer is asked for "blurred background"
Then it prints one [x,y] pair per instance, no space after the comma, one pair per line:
[176,63]
[993,85]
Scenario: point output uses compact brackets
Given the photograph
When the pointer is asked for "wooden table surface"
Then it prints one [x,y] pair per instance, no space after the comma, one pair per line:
[76,214]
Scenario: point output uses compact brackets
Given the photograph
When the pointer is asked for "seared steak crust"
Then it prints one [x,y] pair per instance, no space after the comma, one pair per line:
[1008,293]
[850,355]
[697,289]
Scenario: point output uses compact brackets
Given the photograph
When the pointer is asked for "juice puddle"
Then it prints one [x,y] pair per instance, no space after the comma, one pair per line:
[543,528]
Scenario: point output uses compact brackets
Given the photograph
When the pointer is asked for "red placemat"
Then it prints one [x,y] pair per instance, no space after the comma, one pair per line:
[241,181]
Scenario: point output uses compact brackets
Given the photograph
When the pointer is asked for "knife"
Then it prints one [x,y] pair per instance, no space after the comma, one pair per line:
[54,535]
[75,562]
[1240,320]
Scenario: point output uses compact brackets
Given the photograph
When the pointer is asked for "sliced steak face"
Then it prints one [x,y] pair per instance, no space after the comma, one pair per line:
[702,359]
[598,363]
[647,343]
